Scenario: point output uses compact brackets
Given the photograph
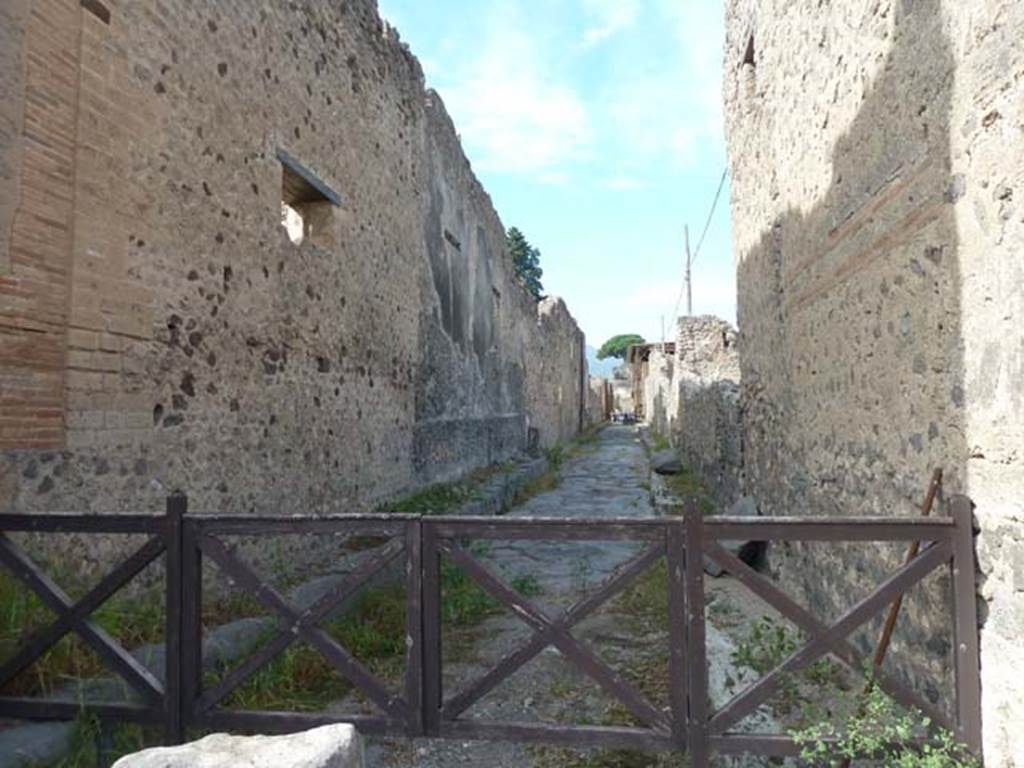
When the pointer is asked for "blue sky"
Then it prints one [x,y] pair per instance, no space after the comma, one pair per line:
[596,126]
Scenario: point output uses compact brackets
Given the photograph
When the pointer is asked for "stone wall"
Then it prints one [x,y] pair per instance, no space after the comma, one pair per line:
[655,385]
[556,377]
[622,390]
[691,397]
[158,327]
[875,155]
[600,401]
[704,404]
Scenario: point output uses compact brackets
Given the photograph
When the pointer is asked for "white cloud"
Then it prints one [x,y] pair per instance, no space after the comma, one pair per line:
[669,109]
[554,178]
[625,183]
[608,17]
[515,112]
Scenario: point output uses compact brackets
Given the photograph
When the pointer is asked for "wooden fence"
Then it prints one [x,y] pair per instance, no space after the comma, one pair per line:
[420,707]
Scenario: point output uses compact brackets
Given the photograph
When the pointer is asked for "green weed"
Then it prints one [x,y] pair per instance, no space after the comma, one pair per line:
[689,485]
[439,499]
[881,730]
[302,680]
[526,584]
[659,442]
[133,622]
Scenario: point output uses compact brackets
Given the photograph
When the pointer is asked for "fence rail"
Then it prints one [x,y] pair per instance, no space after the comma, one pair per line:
[420,707]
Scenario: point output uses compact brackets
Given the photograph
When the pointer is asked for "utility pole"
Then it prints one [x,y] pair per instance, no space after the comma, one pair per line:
[689,280]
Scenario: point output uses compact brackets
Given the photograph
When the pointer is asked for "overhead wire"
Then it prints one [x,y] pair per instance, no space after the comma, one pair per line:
[696,251]
[711,213]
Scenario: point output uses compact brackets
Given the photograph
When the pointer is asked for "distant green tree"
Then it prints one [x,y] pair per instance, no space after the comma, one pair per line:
[616,346]
[526,259]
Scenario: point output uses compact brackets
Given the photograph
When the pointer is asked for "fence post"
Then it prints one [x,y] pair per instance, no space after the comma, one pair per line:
[414,627]
[431,607]
[696,648]
[966,651]
[675,558]
[177,508]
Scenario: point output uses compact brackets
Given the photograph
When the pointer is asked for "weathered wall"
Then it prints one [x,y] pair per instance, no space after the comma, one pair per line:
[158,328]
[556,378]
[13,15]
[875,150]
[655,384]
[600,401]
[622,389]
[703,404]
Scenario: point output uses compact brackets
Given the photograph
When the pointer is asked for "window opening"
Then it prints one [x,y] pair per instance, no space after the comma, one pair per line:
[749,55]
[306,201]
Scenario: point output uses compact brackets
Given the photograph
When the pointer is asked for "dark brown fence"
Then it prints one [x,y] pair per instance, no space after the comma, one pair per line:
[420,706]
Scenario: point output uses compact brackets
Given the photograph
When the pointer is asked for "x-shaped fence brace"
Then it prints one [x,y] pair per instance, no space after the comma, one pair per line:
[303,624]
[555,631]
[824,639]
[74,616]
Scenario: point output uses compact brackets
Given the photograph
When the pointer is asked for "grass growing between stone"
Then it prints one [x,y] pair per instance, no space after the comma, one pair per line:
[688,485]
[659,442]
[302,680]
[439,499]
[554,757]
[556,455]
[91,745]
[644,606]
[133,622]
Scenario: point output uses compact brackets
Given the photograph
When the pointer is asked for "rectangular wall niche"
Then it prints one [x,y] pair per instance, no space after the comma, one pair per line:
[307,203]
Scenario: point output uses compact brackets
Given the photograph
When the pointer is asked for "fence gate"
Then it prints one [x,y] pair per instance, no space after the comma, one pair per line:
[413,547]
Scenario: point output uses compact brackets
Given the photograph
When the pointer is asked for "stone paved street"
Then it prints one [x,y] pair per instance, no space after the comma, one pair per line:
[609,479]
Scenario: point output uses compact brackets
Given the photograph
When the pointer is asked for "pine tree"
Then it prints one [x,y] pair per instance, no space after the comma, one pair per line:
[526,260]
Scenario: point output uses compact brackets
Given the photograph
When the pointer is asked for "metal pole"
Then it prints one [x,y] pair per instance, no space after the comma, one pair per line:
[689,280]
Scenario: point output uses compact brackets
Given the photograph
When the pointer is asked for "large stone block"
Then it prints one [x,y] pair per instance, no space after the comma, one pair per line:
[331,746]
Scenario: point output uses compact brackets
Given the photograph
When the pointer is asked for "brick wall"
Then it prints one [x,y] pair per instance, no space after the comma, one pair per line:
[39,197]
[158,327]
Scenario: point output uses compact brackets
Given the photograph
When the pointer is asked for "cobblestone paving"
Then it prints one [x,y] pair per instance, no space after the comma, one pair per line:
[608,479]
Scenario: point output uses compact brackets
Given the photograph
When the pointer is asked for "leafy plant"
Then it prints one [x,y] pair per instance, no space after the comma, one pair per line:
[881,730]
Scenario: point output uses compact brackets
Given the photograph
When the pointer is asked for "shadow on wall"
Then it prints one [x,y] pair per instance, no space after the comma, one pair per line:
[851,359]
